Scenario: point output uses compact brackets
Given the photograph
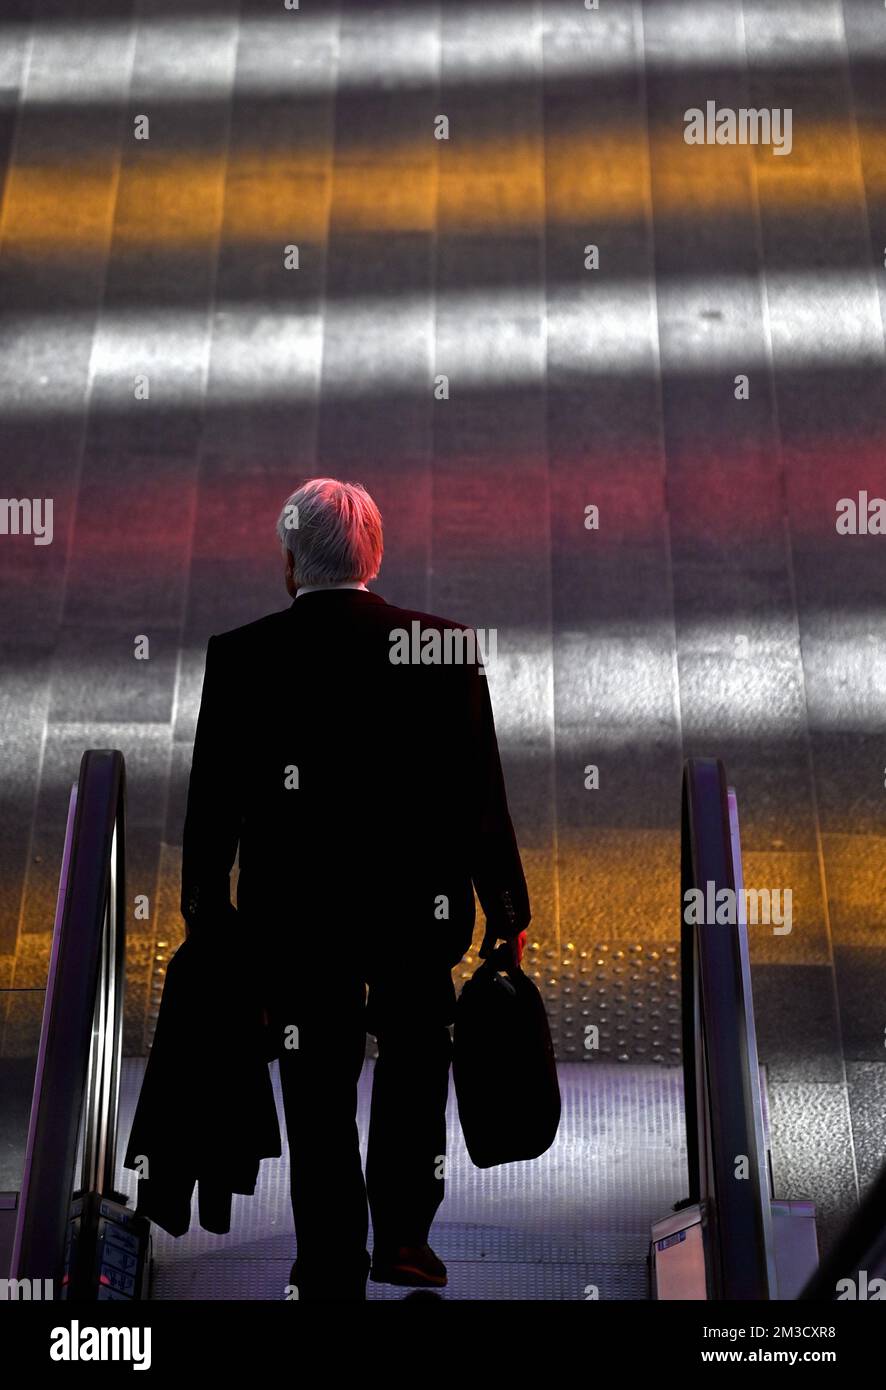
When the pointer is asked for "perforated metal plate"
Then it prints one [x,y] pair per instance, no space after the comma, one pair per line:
[629,992]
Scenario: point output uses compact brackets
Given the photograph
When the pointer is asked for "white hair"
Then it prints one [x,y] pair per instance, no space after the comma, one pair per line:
[333,531]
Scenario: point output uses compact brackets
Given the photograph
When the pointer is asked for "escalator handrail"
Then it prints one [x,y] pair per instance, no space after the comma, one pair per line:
[94,861]
[719,1090]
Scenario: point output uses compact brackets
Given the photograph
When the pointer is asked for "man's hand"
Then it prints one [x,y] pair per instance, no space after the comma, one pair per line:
[517,945]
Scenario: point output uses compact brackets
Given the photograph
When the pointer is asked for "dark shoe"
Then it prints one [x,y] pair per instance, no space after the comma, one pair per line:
[413,1266]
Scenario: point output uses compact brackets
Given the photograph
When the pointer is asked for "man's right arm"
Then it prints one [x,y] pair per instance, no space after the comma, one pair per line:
[496,868]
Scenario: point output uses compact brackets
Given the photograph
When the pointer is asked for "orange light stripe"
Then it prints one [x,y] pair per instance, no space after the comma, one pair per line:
[494,186]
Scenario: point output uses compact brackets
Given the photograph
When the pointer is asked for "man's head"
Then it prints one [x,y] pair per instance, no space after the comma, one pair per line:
[331,533]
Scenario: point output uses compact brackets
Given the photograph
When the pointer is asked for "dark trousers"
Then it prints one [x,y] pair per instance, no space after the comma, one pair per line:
[325,1027]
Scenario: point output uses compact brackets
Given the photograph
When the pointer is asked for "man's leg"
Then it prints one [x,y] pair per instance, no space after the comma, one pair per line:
[407,1130]
[320,1067]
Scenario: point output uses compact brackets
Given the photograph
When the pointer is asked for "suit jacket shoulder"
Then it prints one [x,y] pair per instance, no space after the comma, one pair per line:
[257,633]
[402,617]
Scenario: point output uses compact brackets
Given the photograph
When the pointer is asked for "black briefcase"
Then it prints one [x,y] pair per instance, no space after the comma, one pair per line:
[503,1065]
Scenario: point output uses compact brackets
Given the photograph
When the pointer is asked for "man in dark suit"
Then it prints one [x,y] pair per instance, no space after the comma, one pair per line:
[359,774]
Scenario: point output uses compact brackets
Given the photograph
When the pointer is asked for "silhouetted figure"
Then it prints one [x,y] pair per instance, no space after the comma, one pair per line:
[366,796]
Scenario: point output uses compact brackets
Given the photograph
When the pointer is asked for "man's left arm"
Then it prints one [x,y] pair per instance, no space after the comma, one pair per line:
[212,822]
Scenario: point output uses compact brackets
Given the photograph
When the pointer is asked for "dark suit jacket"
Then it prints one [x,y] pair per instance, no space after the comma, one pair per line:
[368,802]
[366,796]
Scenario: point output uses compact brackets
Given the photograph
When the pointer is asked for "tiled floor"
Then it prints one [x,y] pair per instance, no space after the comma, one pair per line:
[715,610]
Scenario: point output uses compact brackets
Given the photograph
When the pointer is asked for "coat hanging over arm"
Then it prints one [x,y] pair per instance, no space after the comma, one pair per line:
[206,1113]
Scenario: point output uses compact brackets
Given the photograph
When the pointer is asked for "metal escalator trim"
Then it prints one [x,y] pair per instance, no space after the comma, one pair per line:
[751,1063]
[85,983]
[721,1122]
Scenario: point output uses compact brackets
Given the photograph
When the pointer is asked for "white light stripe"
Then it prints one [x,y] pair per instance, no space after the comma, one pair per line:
[485,339]
[292,53]
[614,689]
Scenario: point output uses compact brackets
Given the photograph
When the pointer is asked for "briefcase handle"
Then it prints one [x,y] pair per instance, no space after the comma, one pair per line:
[501,958]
